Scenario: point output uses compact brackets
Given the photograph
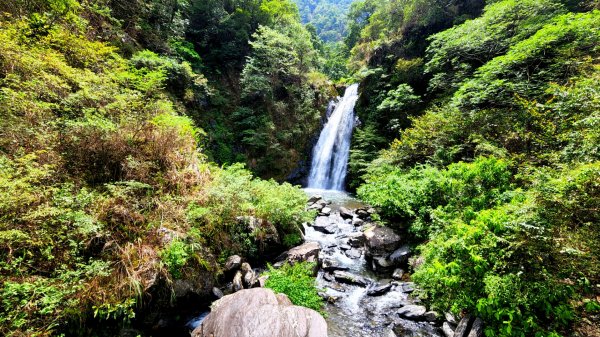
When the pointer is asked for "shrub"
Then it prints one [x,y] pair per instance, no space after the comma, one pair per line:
[297,282]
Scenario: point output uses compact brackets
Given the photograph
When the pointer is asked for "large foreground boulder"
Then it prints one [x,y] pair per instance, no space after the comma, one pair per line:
[259,312]
[381,241]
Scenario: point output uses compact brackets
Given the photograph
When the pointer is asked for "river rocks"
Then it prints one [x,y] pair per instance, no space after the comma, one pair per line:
[450,318]
[237,283]
[357,222]
[314,199]
[431,316]
[325,211]
[476,328]
[397,274]
[379,290]
[464,326]
[356,239]
[233,262]
[400,256]
[408,287]
[217,293]
[306,252]
[349,278]
[331,265]
[328,229]
[447,330]
[353,253]
[381,240]
[248,277]
[413,312]
[259,312]
[346,213]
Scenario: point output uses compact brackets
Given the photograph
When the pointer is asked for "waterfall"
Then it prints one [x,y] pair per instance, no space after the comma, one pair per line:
[330,154]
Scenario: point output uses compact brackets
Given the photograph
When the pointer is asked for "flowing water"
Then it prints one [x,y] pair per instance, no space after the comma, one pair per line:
[330,154]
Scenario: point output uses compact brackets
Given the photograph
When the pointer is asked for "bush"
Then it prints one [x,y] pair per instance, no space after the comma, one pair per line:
[297,282]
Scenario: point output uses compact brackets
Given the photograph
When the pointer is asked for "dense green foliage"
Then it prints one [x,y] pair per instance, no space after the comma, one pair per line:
[297,282]
[494,166]
[327,16]
[106,195]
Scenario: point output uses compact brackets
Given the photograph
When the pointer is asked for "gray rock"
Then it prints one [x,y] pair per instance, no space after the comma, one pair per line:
[450,318]
[331,265]
[431,316]
[262,280]
[314,199]
[356,221]
[237,283]
[248,277]
[381,240]
[363,214]
[328,277]
[353,253]
[329,229]
[217,293]
[349,278]
[233,262]
[447,329]
[400,255]
[259,312]
[379,290]
[325,211]
[371,210]
[408,287]
[463,326]
[346,213]
[345,247]
[476,328]
[356,239]
[398,273]
[413,312]
[306,252]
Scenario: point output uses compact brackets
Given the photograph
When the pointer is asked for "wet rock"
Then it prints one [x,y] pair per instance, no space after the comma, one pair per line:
[306,252]
[345,247]
[314,199]
[398,273]
[353,253]
[447,330]
[408,287]
[331,265]
[450,318]
[217,293]
[431,316]
[362,213]
[248,277]
[476,328]
[318,205]
[329,229]
[413,312]
[233,262]
[328,277]
[259,312]
[357,222]
[356,239]
[382,264]
[381,240]
[346,213]
[237,283]
[325,211]
[400,256]
[379,290]
[349,278]
[463,326]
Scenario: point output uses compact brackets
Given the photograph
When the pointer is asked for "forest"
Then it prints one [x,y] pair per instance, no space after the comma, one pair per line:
[138,136]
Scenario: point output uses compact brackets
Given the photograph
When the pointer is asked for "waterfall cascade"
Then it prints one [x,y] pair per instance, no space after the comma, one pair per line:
[330,154]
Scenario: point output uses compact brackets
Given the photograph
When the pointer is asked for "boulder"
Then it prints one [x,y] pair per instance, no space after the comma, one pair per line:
[400,256]
[325,211]
[314,199]
[381,240]
[346,213]
[413,312]
[447,329]
[248,277]
[357,222]
[217,293]
[328,229]
[379,290]
[259,312]
[353,253]
[306,252]
[476,328]
[237,283]
[398,273]
[408,287]
[234,262]
[431,316]
[362,213]
[450,318]
[356,239]
[349,278]
[331,265]
[463,326]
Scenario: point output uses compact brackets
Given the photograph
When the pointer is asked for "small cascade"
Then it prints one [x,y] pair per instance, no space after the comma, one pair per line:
[330,154]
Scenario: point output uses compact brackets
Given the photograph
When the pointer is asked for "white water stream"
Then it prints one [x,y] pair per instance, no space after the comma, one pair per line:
[330,154]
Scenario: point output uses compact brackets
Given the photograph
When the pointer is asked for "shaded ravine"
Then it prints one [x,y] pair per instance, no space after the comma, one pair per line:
[351,311]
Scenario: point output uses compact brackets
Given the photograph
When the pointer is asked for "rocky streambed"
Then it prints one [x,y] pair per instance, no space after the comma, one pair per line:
[362,276]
